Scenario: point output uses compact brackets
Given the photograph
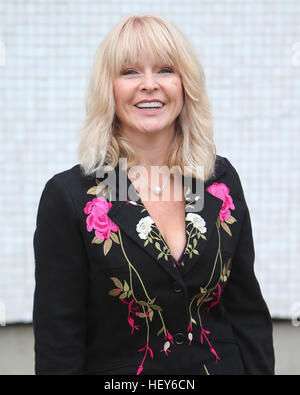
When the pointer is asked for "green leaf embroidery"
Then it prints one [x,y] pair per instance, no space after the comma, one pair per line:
[152,301]
[96,240]
[226,228]
[142,315]
[117,282]
[123,295]
[157,308]
[231,220]
[95,190]
[157,245]
[126,286]
[107,246]
[160,331]
[114,237]
[115,292]
[150,314]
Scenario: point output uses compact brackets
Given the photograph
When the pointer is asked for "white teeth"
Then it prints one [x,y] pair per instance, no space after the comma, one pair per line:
[150,104]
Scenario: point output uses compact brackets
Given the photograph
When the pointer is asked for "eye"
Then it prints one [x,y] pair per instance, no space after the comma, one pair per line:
[127,72]
[167,69]
[164,69]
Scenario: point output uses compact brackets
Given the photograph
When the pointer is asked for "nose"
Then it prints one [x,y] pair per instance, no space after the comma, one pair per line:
[149,81]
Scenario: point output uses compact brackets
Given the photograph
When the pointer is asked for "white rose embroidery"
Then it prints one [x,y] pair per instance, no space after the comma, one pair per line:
[197,221]
[144,227]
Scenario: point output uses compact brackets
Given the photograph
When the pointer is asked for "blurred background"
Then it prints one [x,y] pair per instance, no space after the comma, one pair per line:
[250,50]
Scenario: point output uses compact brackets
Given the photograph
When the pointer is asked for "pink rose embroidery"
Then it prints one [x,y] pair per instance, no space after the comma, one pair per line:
[221,191]
[98,218]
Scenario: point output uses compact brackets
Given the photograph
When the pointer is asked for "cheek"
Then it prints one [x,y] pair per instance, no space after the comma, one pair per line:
[119,93]
[123,94]
[178,94]
[177,91]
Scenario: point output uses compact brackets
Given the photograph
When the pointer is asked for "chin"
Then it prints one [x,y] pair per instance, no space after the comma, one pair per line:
[155,128]
[153,131]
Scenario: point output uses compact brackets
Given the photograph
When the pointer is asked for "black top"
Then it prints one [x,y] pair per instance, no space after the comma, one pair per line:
[178,261]
[109,299]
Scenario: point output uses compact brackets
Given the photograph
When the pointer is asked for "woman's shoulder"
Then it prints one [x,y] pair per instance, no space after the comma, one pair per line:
[72,179]
[226,173]
[71,175]
[67,188]
[64,195]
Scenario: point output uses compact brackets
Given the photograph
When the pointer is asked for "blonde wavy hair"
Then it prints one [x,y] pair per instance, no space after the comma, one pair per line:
[101,141]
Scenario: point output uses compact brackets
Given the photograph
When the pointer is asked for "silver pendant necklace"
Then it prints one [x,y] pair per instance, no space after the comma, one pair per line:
[157,189]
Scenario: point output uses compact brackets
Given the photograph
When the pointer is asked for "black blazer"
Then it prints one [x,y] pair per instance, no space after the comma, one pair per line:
[110,299]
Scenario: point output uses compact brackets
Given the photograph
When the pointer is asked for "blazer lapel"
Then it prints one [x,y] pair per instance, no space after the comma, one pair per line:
[199,226]
[133,219]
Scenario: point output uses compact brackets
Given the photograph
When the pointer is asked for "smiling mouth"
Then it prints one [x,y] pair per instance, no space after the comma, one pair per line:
[150,109]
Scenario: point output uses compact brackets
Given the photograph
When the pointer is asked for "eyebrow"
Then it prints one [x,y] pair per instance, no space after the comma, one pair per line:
[140,66]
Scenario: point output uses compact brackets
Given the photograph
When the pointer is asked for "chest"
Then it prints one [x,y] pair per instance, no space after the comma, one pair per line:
[169,218]
[168,213]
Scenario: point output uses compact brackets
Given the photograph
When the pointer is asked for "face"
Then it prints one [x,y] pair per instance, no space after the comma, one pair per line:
[151,82]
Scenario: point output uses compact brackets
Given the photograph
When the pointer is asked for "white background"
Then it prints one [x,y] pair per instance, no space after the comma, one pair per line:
[250,50]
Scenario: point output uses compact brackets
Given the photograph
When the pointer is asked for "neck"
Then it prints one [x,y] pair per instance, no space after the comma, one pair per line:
[152,149]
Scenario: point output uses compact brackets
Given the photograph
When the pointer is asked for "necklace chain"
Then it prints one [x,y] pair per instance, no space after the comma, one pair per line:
[157,189]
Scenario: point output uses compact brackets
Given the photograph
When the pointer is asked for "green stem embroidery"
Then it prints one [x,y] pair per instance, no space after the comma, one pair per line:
[148,307]
[149,300]
[191,234]
[133,268]
[206,371]
[216,259]
[205,292]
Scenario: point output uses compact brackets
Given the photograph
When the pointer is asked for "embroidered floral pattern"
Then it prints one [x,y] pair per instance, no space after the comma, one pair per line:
[99,221]
[144,227]
[145,310]
[195,228]
[167,344]
[147,230]
[215,298]
[221,191]
[207,293]
[197,221]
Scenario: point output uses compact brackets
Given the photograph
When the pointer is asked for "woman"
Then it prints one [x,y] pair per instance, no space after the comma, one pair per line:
[138,285]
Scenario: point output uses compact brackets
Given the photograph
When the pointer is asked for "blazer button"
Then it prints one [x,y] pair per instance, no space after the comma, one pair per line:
[179,338]
[176,288]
